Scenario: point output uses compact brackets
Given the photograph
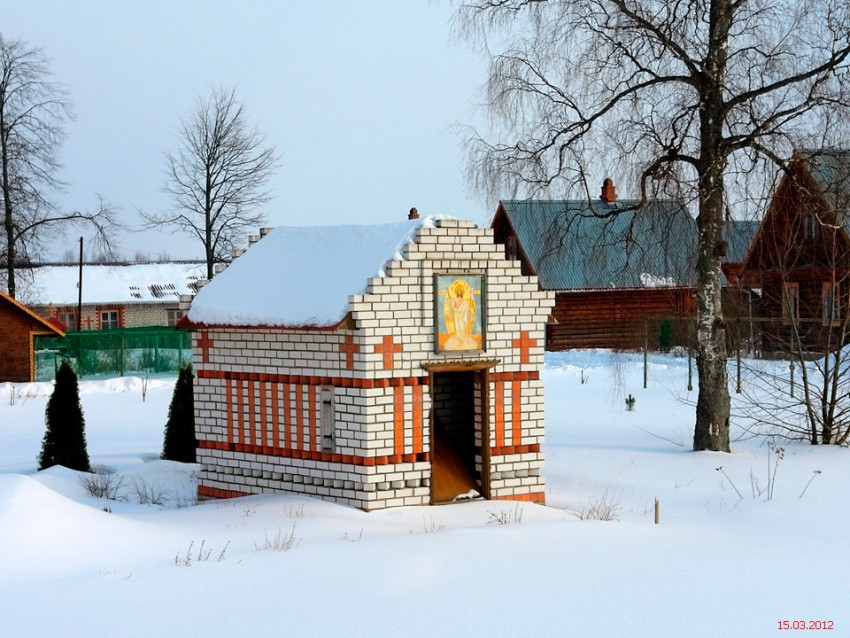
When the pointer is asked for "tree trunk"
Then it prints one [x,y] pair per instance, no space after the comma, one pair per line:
[208,225]
[711,431]
[712,423]
[8,225]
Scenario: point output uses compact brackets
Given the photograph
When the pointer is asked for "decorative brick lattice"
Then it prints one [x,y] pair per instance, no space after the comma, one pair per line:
[389,350]
[205,342]
[524,343]
[349,348]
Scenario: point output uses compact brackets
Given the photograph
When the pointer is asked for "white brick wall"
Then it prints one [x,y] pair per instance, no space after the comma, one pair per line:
[257,437]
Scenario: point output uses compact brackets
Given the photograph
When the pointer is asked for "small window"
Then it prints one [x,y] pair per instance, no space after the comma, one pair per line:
[810,227]
[69,319]
[829,298]
[510,248]
[173,316]
[791,301]
[109,320]
[327,417]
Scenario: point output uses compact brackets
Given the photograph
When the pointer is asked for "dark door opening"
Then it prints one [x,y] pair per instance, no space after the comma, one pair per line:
[456,417]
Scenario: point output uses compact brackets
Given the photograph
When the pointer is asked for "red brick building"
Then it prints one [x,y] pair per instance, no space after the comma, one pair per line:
[18,326]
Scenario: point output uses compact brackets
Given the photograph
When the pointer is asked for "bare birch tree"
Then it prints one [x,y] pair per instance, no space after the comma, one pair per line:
[217,176]
[33,110]
[691,94]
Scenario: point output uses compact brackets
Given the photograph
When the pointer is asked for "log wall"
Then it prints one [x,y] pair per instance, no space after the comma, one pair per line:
[621,319]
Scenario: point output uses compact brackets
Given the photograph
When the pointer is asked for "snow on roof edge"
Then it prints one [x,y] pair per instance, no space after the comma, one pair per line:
[325,266]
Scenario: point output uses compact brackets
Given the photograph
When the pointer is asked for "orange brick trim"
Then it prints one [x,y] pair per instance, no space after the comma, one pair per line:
[515,376]
[239,413]
[344,382]
[418,417]
[251,435]
[214,492]
[310,455]
[514,449]
[524,343]
[499,413]
[516,412]
[264,419]
[398,420]
[299,416]
[313,421]
[388,349]
[349,348]
[286,421]
[205,342]
[534,497]
[275,393]
[228,397]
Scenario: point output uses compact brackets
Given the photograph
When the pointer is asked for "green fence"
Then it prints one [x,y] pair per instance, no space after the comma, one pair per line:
[129,351]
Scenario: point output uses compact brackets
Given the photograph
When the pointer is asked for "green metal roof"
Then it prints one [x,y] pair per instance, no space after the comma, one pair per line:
[575,245]
[739,235]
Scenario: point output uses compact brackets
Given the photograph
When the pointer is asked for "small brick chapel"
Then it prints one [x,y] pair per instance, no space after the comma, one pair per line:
[376,366]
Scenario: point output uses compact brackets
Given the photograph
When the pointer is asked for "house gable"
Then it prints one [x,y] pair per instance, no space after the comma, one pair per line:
[798,266]
[18,325]
[802,228]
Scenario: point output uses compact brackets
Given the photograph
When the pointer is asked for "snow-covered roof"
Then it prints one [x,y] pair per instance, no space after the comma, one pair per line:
[301,275]
[102,283]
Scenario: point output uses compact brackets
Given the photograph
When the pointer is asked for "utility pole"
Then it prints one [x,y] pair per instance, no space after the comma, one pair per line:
[80,291]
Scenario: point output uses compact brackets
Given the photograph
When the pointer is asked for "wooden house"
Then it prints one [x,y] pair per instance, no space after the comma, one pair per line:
[18,326]
[375,366]
[622,273]
[798,265]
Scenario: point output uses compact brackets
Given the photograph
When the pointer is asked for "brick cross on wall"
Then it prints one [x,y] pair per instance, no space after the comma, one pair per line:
[388,349]
[349,348]
[205,342]
[523,343]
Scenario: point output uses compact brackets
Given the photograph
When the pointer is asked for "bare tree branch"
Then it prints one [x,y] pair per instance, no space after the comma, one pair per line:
[691,97]
[216,176]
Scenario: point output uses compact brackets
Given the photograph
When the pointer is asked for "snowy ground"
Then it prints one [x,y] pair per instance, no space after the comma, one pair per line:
[717,565]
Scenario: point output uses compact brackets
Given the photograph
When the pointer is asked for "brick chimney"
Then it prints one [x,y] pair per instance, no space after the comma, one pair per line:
[609,192]
[413,214]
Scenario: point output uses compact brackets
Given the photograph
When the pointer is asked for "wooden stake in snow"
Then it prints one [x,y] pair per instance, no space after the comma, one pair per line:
[657,512]
[690,371]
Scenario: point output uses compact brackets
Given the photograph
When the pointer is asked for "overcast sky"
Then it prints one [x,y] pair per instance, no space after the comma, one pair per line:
[359,97]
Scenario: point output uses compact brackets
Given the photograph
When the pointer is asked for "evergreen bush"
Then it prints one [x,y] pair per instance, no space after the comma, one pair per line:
[180,442]
[65,437]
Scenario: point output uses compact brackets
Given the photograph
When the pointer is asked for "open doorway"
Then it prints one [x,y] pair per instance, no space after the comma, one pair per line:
[457,462]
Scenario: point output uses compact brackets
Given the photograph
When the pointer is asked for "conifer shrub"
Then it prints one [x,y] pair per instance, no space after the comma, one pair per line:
[65,437]
[180,442]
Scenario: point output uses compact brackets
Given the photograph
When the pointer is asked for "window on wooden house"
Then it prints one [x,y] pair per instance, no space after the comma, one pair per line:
[510,248]
[109,320]
[791,301]
[327,418]
[810,227]
[829,299]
